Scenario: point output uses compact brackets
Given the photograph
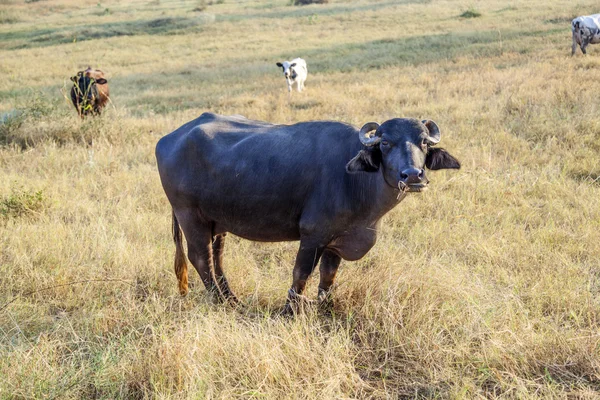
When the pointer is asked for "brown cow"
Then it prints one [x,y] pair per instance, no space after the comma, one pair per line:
[89,93]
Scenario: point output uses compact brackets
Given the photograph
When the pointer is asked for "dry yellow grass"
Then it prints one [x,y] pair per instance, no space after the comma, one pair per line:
[487,286]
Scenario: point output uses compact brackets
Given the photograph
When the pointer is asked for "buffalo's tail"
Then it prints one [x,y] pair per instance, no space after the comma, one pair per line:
[180,263]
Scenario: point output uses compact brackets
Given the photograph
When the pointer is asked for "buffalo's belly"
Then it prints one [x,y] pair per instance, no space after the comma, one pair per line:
[260,233]
[258,221]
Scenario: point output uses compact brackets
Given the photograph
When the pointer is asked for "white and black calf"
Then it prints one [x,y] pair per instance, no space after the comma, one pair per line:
[295,72]
[586,30]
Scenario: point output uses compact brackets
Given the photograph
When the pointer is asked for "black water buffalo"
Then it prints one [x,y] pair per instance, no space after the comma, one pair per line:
[324,183]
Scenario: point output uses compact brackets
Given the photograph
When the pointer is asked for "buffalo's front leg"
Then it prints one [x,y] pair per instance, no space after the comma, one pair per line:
[330,262]
[306,260]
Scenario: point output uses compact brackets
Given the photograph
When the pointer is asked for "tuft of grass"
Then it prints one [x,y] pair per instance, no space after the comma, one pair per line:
[41,120]
[471,12]
[34,108]
[24,126]
[564,20]
[22,202]
[7,17]
[201,6]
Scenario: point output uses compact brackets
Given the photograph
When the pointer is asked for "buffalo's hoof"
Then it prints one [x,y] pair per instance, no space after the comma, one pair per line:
[296,303]
[230,300]
[228,297]
[287,311]
[220,296]
[325,300]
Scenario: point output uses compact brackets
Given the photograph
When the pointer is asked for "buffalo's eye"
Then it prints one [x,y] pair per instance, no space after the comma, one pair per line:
[385,143]
[424,145]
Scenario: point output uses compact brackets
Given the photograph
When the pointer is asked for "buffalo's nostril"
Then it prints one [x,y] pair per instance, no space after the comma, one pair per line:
[412,176]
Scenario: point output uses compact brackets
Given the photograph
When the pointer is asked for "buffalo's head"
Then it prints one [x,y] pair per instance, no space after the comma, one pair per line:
[402,149]
[85,91]
[288,70]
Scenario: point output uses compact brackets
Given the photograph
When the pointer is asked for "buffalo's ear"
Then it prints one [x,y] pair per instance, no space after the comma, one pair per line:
[440,159]
[292,64]
[101,81]
[279,64]
[365,160]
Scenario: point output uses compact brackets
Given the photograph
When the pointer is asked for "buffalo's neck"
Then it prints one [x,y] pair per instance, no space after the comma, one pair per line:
[373,197]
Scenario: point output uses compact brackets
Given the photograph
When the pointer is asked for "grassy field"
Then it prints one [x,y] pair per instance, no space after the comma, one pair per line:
[486,286]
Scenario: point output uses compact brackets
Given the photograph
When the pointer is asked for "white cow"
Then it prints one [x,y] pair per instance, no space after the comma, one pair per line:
[295,72]
[586,30]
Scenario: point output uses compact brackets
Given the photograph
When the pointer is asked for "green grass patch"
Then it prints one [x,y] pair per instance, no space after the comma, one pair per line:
[53,36]
[471,13]
[22,202]
[306,2]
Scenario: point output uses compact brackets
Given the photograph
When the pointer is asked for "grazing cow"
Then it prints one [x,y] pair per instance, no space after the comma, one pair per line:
[324,183]
[586,30]
[295,72]
[89,93]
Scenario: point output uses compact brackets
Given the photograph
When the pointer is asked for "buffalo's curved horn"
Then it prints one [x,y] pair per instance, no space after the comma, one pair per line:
[364,137]
[434,131]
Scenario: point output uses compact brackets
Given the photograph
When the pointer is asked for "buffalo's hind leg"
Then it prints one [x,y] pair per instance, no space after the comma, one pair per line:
[218,245]
[198,234]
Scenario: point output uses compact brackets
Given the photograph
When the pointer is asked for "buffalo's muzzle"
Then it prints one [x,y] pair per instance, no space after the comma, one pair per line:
[412,180]
[412,176]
